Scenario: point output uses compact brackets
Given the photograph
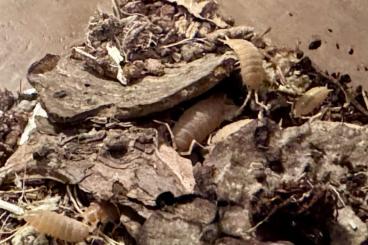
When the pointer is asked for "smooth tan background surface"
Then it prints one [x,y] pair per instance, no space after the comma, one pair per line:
[31,28]
[299,20]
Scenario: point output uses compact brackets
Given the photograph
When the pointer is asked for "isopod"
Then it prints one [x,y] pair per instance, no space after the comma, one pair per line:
[58,226]
[100,212]
[250,60]
[200,120]
[310,100]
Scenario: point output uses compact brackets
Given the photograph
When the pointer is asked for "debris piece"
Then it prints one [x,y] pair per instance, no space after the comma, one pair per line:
[87,95]
[184,224]
[348,229]
[13,119]
[310,100]
[116,56]
[299,165]
[29,235]
[234,222]
[7,100]
[315,43]
[112,165]
[31,125]
[11,208]
[198,8]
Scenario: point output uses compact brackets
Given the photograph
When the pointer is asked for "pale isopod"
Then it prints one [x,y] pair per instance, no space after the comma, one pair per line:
[58,226]
[250,60]
[310,100]
[100,212]
[200,120]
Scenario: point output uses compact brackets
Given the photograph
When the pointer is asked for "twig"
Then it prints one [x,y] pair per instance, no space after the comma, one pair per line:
[76,195]
[5,222]
[72,199]
[14,234]
[21,191]
[10,207]
[2,215]
[182,42]
[281,74]
[116,9]
[108,240]
[84,53]
[125,37]
[24,184]
[365,97]
[20,86]
[338,195]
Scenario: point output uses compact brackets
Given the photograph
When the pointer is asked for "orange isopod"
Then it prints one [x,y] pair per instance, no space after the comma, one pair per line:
[250,60]
[58,226]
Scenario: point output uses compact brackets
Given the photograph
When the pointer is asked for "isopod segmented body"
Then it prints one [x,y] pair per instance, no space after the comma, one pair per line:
[250,60]
[58,226]
[200,120]
[310,100]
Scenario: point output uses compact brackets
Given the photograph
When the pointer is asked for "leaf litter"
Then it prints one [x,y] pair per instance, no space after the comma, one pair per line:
[287,167]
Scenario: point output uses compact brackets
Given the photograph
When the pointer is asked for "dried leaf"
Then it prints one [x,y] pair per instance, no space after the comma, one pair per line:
[180,166]
[250,62]
[310,100]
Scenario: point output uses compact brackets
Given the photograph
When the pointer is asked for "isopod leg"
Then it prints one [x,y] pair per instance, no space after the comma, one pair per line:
[317,116]
[192,144]
[265,107]
[170,132]
[241,108]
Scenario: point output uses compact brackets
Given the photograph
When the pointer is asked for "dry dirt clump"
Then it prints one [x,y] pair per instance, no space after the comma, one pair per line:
[286,166]
[147,36]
